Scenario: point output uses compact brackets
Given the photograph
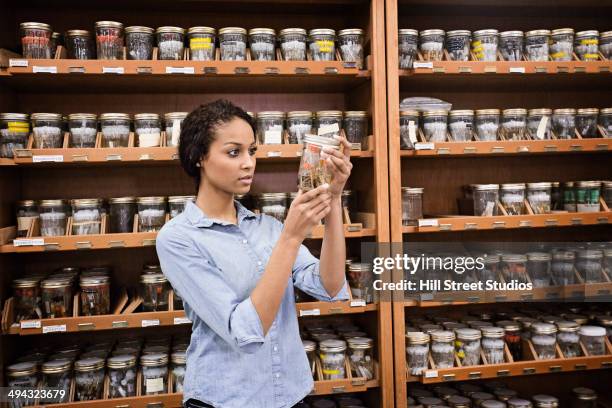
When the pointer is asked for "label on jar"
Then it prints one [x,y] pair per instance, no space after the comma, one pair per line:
[149,323]
[29,242]
[418,64]
[57,328]
[181,320]
[325,129]
[113,70]
[542,127]
[154,384]
[200,43]
[30,324]
[273,137]
[13,62]
[18,127]
[24,223]
[48,158]
[176,131]
[180,70]
[46,70]
[412,132]
[325,45]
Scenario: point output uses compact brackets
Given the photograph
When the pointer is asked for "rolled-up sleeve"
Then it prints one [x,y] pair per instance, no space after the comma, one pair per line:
[204,288]
[307,278]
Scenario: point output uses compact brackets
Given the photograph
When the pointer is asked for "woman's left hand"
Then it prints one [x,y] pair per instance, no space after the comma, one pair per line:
[339,164]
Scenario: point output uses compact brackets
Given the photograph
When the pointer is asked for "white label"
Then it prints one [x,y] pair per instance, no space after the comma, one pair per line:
[48,158]
[273,137]
[311,312]
[30,324]
[181,320]
[431,373]
[154,384]
[47,70]
[417,64]
[542,127]
[428,223]
[517,70]
[149,323]
[29,242]
[358,303]
[424,146]
[113,70]
[58,328]
[274,154]
[18,62]
[180,70]
[412,132]
[176,131]
[326,129]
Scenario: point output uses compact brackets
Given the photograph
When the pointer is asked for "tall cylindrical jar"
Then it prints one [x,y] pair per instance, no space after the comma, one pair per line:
[417,352]
[484,45]
[22,376]
[511,45]
[361,358]
[605,44]
[122,212]
[89,376]
[57,374]
[14,132]
[487,124]
[179,366]
[95,295]
[155,290]
[139,42]
[408,46]
[409,128]
[109,40]
[27,212]
[332,354]
[173,122]
[586,122]
[467,346]
[355,127]
[562,44]
[412,205]
[122,376]
[322,44]
[443,349]
[569,339]
[594,340]
[538,268]
[232,43]
[262,42]
[154,373]
[493,344]
[201,43]
[544,340]
[431,44]
[587,196]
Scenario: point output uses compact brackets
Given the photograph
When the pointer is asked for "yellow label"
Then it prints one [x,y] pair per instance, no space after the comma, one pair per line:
[590,56]
[325,45]
[592,41]
[18,126]
[461,354]
[477,49]
[200,43]
[558,54]
[331,372]
[476,43]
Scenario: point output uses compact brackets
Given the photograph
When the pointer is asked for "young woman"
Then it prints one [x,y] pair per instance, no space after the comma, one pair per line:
[235,270]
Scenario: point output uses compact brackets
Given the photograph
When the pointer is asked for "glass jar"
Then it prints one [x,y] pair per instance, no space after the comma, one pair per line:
[492,404]
[586,45]
[270,127]
[467,346]
[350,42]
[232,43]
[604,320]
[568,339]
[458,44]
[484,45]
[513,198]
[313,172]
[173,122]
[407,44]
[538,195]
[310,349]
[95,295]
[355,127]
[109,40]
[406,117]
[14,132]
[47,130]
[299,123]
[56,39]
[584,398]
[273,204]
[27,299]
[485,200]
[512,338]
[83,129]
[22,376]
[262,44]
[148,129]
[545,401]
[89,376]
[115,129]
[556,197]
[443,349]
[586,122]
[605,121]
[56,297]
[179,366]
[139,42]
[79,45]
[412,205]
[569,196]
[202,43]
[493,344]
[606,187]
[562,44]
[293,44]
[514,123]
[514,267]
[563,267]
[151,213]
[511,45]
[417,352]
[431,44]
[589,264]
[53,218]
[322,44]
[487,124]
[348,202]
[154,373]
[27,212]
[177,204]
[122,212]
[536,45]
[155,290]
[57,374]
[461,123]
[361,357]
[539,123]
[35,40]
[360,281]
[435,125]
[587,196]
[491,268]
[564,123]
[332,354]
[538,268]
[86,218]
[544,340]
[170,43]
[605,44]
[328,123]
[122,376]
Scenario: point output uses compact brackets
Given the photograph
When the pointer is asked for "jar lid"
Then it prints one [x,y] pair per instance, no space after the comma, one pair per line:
[514,33]
[442,335]
[492,404]
[594,331]
[585,394]
[52,203]
[513,186]
[27,203]
[409,112]
[170,29]
[564,111]
[289,31]
[25,282]
[416,338]
[178,357]
[321,31]
[588,111]
[123,200]
[151,200]
[606,34]
[540,111]
[439,112]
[175,116]
[492,331]
[538,256]
[509,325]
[567,326]
[485,32]
[604,320]
[605,111]
[201,30]
[408,31]
[46,116]
[517,111]
[155,348]
[486,187]
[14,116]
[89,364]
[270,114]
[146,116]
[153,278]
[332,345]
[114,116]
[413,190]
[560,31]
[321,141]
[299,114]
[590,254]
[539,185]
[514,258]
[563,255]
[350,31]
[487,112]
[139,29]
[360,342]
[22,369]
[108,24]
[121,361]
[595,184]
[85,202]
[268,31]
[543,328]
[468,334]
[272,196]
[232,30]
[78,33]
[55,283]
[33,25]
[355,114]
[457,33]
[154,360]
[491,258]
[328,113]
[432,32]
[534,33]
[360,267]
[587,33]
[181,199]
[462,112]
[56,366]
[519,403]
[545,401]
[309,345]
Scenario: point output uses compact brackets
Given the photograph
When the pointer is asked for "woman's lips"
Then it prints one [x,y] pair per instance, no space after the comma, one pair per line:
[246,179]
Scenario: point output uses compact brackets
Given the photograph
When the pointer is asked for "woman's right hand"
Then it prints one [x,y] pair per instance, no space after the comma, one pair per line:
[306,211]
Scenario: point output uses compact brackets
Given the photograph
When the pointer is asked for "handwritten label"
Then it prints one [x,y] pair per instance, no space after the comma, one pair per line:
[327,129]
[418,64]
[424,146]
[45,70]
[30,324]
[311,312]
[29,242]
[180,70]
[18,62]
[542,127]
[517,70]
[431,373]
[58,328]
[181,320]
[358,303]
[154,384]
[48,158]
[149,323]
[273,137]
[113,70]
[428,223]
[412,132]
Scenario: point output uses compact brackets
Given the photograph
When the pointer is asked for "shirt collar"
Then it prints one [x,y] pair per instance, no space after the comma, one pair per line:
[197,217]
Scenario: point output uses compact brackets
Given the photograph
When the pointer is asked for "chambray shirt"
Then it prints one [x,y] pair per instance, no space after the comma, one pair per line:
[214,266]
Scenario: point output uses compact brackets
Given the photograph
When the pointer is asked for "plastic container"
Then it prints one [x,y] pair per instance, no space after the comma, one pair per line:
[329,123]
[232,43]
[322,44]
[586,45]
[587,196]
[467,346]
[562,44]
[53,218]
[484,45]
[14,132]
[407,116]
[201,43]
[122,376]
[350,42]
[270,125]
[514,123]
[487,124]
[332,354]
[360,278]
[47,130]
[115,129]
[179,366]
[458,44]
[435,125]
[568,339]
[586,122]
[443,349]
[594,340]
[537,45]
[539,123]
[361,357]
[544,340]
[148,129]
[154,289]
[177,204]
[170,43]
[109,40]
[485,199]
[174,122]
[79,45]
[273,204]
[538,268]
[431,44]
[408,47]
[417,352]
[83,129]
[461,125]
[36,40]
[95,295]
[262,43]
[154,373]
[27,299]
[293,44]
[511,45]
[355,127]
[605,44]
[57,374]
[493,344]
[539,197]
[151,213]
[513,198]
[589,264]
[412,205]
[89,376]
[299,124]
[139,42]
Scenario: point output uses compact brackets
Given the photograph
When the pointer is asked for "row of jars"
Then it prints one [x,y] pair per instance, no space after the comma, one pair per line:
[52,215]
[295,44]
[88,368]
[512,124]
[487,45]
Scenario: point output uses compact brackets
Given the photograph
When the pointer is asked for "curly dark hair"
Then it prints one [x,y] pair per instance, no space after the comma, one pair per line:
[198,132]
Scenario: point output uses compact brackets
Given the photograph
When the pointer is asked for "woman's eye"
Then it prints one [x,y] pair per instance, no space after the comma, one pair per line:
[252,151]
[233,152]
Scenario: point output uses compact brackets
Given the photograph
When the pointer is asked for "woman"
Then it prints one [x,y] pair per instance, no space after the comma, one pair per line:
[235,270]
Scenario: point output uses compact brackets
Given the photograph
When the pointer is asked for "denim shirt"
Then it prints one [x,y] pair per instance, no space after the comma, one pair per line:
[214,266]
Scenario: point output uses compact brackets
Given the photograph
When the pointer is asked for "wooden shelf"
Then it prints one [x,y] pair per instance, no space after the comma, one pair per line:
[146,401]
[332,308]
[508,67]
[7,162]
[343,386]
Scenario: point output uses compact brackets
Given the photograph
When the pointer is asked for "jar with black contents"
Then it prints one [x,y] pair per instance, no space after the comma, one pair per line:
[262,43]
[322,44]
[587,196]
[56,40]
[536,45]
[232,43]
[356,128]
[458,44]
[487,124]
[299,124]
[57,374]
[584,398]
[293,44]
[562,44]
[586,122]
[406,117]
[89,375]
[14,132]
[109,40]
[485,200]
[83,129]
[139,42]
[586,45]
[569,339]
[556,197]
[349,203]
[170,43]
[431,44]
[56,297]
[122,212]
[79,45]
[538,268]
[569,196]
[407,44]
[461,125]
[512,337]
[36,40]
[514,123]
[173,122]
[95,295]
[329,123]
[53,217]
[47,130]
[412,205]
[350,42]
[27,212]
[484,45]
[589,264]
[562,267]
[22,376]
[27,299]
[511,45]
[155,290]
[201,43]
[115,129]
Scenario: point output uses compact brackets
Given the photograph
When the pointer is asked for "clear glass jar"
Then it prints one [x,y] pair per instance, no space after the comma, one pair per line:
[27,212]
[491,268]
[270,125]
[361,357]
[435,125]
[53,217]
[151,213]
[431,44]
[177,204]
[511,44]
[14,132]
[170,43]
[563,267]
[538,268]
[139,42]
[86,218]
[562,44]
[514,267]
[349,202]
[155,289]
[569,196]
[22,376]
[513,198]
[79,45]
[173,122]
[299,123]
[443,349]
[83,129]
[461,124]
[538,195]
[310,349]
[407,116]
[512,338]
[232,43]
[122,376]
[564,123]
[412,205]
[536,45]
[458,44]
[350,42]
[556,197]
[493,344]
[586,45]
[514,123]
[328,123]
[544,340]
[27,299]
[568,339]
[487,124]
[467,346]
[89,376]
[95,295]
[606,187]
[417,352]
[57,374]
[360,278]
[122,212]
[605,121]
[545,401]
[604,320]
[35,40]
[148,129]
[605,44]
[586,122]
[587,196]
[56,297]
[484,45]
[179,366]
[154,373]
[457,401]
[262,43]
[539,123]
[332,354]
[594,340]
[109,40]
[202,43]
[313,172]
[56,39]
[355,127]
[589,264]
[293,44]
[273,204]
[584,398]
[47,130]
[485,200]
[322,44]
[115,129]
[407,44]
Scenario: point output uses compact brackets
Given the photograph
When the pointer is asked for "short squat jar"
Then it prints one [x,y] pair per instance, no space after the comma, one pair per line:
[79,45]
[329,123]
[201,43]
[350,42]
[539,123]
[26,292]
[493,344]
[514,267]
[544,340]
[109,40]
[586,45]
[536,45]
[293,44]
[22,376]
[594,340]
[361,357]
[232,43]
[154,291]
[538,268]
[177,204]
[484,45]
[95,295]
[587,196]
[139,42]
[115,129]
[467,346]
[122,376]
[270,125]
[435,125]
[417,352]
[174,122]
[179,366]
[513,198]
[151,213]
[562,44]
[562,267]
[322,44]
[412,205]
[56,297]
[27,212]
[569,339]
[53,217]
[431,44]
[86,217]
[586,122]
[406,118]
[487,124]
[83,129]
[299,124]
[57,374]
[589,264]
[148,129]
[273,204]
[122,212]
[461,125]
[443,349]
[514,123]
[89,376]
[262,44]
[485,200]
[332,354]
[14,132]
[36,40]
[355,127]
[458,44]
[170,43]
[539,197]
[47,130]
[154,373]
[408,47]
[511,45]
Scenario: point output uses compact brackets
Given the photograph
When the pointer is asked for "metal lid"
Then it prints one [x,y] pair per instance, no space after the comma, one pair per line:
[170,29]
[139,29]
[360,342]
[121,361]
[538,256]
[22,369]
[514,33]
[153,278]
[55,283]
[560,31]
[272,196]
[442,336]
[175,116]
[409,112]
[509,325]
[52,203]
[592,331]
[56,366]
[154,360]
[332,345]
[299,114]
[270,114]
[564,111]
[540,111]
[321,141]
[85,202]
[462,112]
[321,31]
[355,114]
[89,364]
[457,33]
[309,345]
[512,186]
[114,116]
[491,258]
[232,30]
[146,116]
[178,357]
[563,255]
[545,401]
[480,33]
[539,185]
[329,113]
[416,338]
[514,258]
[487,112]
[604,320]
[468,334]
[605,111]
[438,112]
[595,184]
[432,32]
[606,34]
[151,200]
[108,24]
[350,31]
[123,200]
[492,331]
[46,116]
[181,199]
[486,187]
[78,33]
[585,394]
[567,326]
[543,328]
[14,116]
[408,31]
[413,190]
[33,25]
[492,404]
[590,254]
[27,203]
[289,31]
[268,31]
[201,30]
[359,267]
[517,111]
[534,33]
[588,33]
[97,280]
[588,111]
[519,403]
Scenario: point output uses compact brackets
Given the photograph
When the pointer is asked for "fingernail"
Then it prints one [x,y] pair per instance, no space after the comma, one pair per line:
[325,186]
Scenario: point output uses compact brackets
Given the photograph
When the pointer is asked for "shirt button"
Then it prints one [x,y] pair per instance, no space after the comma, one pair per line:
[259,263]
[277,375]
[244,241]
[275,348]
